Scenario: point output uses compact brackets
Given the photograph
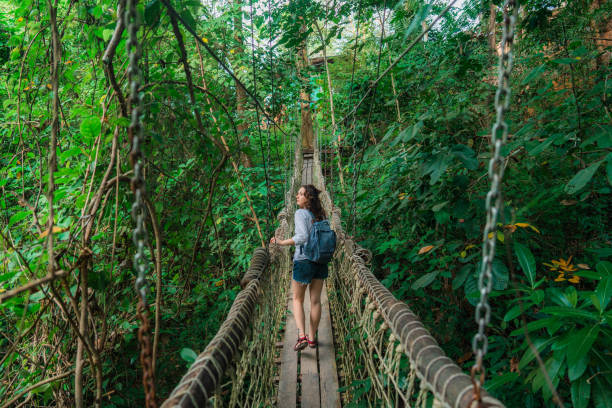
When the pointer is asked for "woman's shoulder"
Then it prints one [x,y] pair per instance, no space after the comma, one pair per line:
[302,212]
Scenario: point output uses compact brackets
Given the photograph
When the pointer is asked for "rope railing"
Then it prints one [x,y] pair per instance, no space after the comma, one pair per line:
[243,351]
[387,356]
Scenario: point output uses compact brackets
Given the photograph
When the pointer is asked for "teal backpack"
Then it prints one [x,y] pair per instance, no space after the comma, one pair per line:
[321,243]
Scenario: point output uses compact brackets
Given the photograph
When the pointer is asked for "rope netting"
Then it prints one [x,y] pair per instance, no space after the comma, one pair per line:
[237,368]
[387,356]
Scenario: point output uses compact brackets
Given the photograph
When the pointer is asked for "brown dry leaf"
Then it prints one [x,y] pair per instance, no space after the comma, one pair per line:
[55,231]
[568,202]
[465,357]
[425,249]
[583,266]
[514,365]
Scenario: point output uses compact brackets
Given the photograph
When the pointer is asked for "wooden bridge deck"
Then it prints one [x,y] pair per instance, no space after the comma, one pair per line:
[309,377]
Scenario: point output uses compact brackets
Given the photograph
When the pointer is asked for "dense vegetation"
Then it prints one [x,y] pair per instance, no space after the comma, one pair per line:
[413,160]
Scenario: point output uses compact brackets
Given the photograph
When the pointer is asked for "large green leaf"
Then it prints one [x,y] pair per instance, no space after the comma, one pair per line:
[581,343]
[604,291]
[582,178]
[609,169]
[526,261]
[466,155]
[604,268]
[540,345]
[15,218]
[461,276]
[602,393]
[425,280]
[188,355]
[575,371]
[90,128]
[581,393]
[564,311]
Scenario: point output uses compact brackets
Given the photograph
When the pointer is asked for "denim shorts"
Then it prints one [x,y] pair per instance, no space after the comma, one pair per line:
[305,271]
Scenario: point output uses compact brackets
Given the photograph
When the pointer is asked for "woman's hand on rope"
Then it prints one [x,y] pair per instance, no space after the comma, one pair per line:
[282,242]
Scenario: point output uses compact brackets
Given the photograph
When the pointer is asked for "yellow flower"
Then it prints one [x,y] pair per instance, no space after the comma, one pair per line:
[560,278]
[574,279]
[20,19]
[205,40]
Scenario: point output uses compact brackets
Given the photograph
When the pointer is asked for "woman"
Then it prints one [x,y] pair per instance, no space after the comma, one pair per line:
[305,272]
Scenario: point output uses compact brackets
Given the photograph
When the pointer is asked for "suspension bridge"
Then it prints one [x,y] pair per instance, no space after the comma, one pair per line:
[371,347]
[251,362]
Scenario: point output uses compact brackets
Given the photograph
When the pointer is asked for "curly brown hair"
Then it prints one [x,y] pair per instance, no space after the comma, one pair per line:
[314,203]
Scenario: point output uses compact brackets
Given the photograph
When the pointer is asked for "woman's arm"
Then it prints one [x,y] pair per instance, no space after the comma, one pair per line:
[282,242]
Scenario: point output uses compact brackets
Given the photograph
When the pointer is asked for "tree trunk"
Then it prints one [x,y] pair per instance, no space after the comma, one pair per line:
[306,129]
[491,27]
[241,96]
[603,32]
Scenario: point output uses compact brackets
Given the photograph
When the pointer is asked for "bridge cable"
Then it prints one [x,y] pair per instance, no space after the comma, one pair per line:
[494,202]
[137,183]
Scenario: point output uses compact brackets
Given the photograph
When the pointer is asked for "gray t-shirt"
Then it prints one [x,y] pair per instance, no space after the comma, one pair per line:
[303,224]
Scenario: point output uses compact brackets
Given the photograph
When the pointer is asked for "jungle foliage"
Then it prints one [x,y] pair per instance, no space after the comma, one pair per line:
[414,165]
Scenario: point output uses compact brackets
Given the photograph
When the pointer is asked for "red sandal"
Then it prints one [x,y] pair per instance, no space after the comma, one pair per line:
[301,344]
[312,344]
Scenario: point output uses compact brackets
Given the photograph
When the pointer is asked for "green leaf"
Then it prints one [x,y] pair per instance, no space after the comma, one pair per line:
[604,292]
[471,289]
[188,355]
[581,343]
[512,313]
[90,128]
[582,178]
[565,311]
[539,344]
[604,268]
[575,371]
[15,218]
[466,155]
[497,381]
[581,393]
[534,74]
[609,169]
[602,393]
[526,261]
[107,34]
[553,366]
[461,276]
[152,12]
[425,280]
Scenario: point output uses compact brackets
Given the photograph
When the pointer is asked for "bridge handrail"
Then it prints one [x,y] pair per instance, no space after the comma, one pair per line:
[228,350]
[438,373]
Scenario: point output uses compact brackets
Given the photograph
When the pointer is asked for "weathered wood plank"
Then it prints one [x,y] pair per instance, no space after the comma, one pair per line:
[287,385]
[327,357]
[308,367]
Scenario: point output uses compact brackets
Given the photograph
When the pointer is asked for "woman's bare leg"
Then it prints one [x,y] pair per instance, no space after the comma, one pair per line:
[316,286]
[298,289]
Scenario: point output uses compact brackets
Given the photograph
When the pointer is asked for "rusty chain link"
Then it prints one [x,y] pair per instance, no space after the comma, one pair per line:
[146,355]
[139,235]
[499,134]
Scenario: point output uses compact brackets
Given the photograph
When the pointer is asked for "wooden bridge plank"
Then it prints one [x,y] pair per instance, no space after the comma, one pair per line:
[287,384]
[308,368]
[327,357]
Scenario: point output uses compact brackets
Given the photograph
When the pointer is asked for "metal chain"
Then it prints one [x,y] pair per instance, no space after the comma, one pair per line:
[139,235]
[499,134]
